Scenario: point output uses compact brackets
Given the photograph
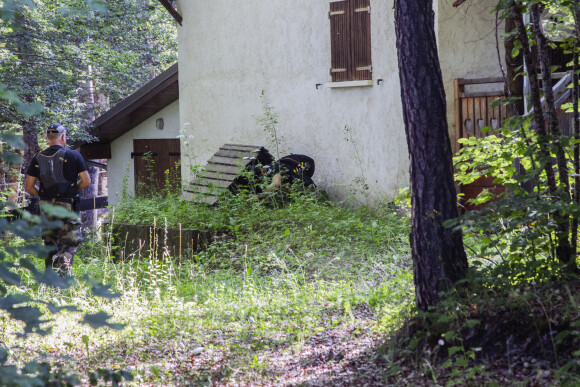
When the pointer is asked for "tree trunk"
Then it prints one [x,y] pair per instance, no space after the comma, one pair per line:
[576,189]
[30,138]
[553,123]
[531,67]
[514,83]
[3,180]
[439,258]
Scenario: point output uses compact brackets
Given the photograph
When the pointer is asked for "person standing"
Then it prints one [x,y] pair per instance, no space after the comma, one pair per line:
[61,174]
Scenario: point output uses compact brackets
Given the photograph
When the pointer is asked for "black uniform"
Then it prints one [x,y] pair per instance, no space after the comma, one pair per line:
[294,169]
[65,177]
[57,170]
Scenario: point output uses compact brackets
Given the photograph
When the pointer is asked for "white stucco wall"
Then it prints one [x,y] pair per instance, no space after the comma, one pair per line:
[121,163]
[230,52]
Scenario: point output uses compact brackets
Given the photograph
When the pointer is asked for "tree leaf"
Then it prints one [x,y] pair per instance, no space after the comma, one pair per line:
[13,299]
[22,228]
[100,289]
[29,109]
[58,212]
[49,277]
[9,277]
[104,291]
[11,158]
[3,355]
[57,309]
[97,5]
[5,93]
[13,140]
[99,320]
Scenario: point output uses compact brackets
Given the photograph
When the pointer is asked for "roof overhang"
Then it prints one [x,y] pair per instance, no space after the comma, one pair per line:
[162,91]
[169,7]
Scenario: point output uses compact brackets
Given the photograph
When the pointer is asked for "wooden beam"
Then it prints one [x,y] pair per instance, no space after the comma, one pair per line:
[94,203]
[178,18]
[95,151]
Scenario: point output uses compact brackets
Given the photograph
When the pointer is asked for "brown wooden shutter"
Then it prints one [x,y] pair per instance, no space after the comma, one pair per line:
[361,39]
[340,41]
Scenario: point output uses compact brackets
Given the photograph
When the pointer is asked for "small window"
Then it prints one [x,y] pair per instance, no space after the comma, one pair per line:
[350,40]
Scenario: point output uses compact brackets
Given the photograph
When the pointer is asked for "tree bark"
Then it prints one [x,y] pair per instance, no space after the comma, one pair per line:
[439,258]
[531,67]
[576,190]
[564,247]
[30,138]
[553,123]
[514,83]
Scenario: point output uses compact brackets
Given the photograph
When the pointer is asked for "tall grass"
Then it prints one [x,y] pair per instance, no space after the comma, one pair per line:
[274,278]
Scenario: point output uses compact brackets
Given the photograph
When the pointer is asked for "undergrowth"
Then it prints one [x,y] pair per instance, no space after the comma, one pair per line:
[509,321]
[277,280]
[274,279]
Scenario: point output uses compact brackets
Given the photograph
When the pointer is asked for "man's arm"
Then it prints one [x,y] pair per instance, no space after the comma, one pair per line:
[30,185]
[85,180]
[274,185]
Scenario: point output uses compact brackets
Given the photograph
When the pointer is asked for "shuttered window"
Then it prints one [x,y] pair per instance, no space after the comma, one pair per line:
[350,40]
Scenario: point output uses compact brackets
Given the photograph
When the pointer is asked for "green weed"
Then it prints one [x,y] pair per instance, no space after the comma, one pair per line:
[274,279]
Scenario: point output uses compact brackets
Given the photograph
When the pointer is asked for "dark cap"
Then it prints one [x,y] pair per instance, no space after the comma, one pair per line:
[55,128]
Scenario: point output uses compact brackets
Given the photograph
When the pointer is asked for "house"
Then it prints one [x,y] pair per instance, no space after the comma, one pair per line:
[139,138]
[322,66]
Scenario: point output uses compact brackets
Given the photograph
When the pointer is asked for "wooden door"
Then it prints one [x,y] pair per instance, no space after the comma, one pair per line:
[157,165]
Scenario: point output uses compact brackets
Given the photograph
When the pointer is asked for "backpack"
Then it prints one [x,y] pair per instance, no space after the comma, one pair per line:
[298,167]
[52,175]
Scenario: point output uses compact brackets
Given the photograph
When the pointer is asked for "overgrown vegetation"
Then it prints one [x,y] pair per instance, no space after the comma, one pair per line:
[273,280]
[515,317]
[303,291]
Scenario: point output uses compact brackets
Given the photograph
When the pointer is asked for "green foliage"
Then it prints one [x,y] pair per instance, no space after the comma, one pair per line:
[518,223]
[275,279]
[269,122]
[18,274]
[303,223]
[71,59]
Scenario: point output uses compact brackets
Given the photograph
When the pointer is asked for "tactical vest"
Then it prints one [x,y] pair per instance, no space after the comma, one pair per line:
[52,175]
[297,168]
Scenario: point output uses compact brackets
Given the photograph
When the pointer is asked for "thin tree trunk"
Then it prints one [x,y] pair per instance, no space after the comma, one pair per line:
[575,96]
[88,217]
[533,57]
[576,190]
[540,129]
[514,84]
[30,138]
[553,123]
[3,180]
[87,97]
[439,258]
[543,152]
[564,248]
